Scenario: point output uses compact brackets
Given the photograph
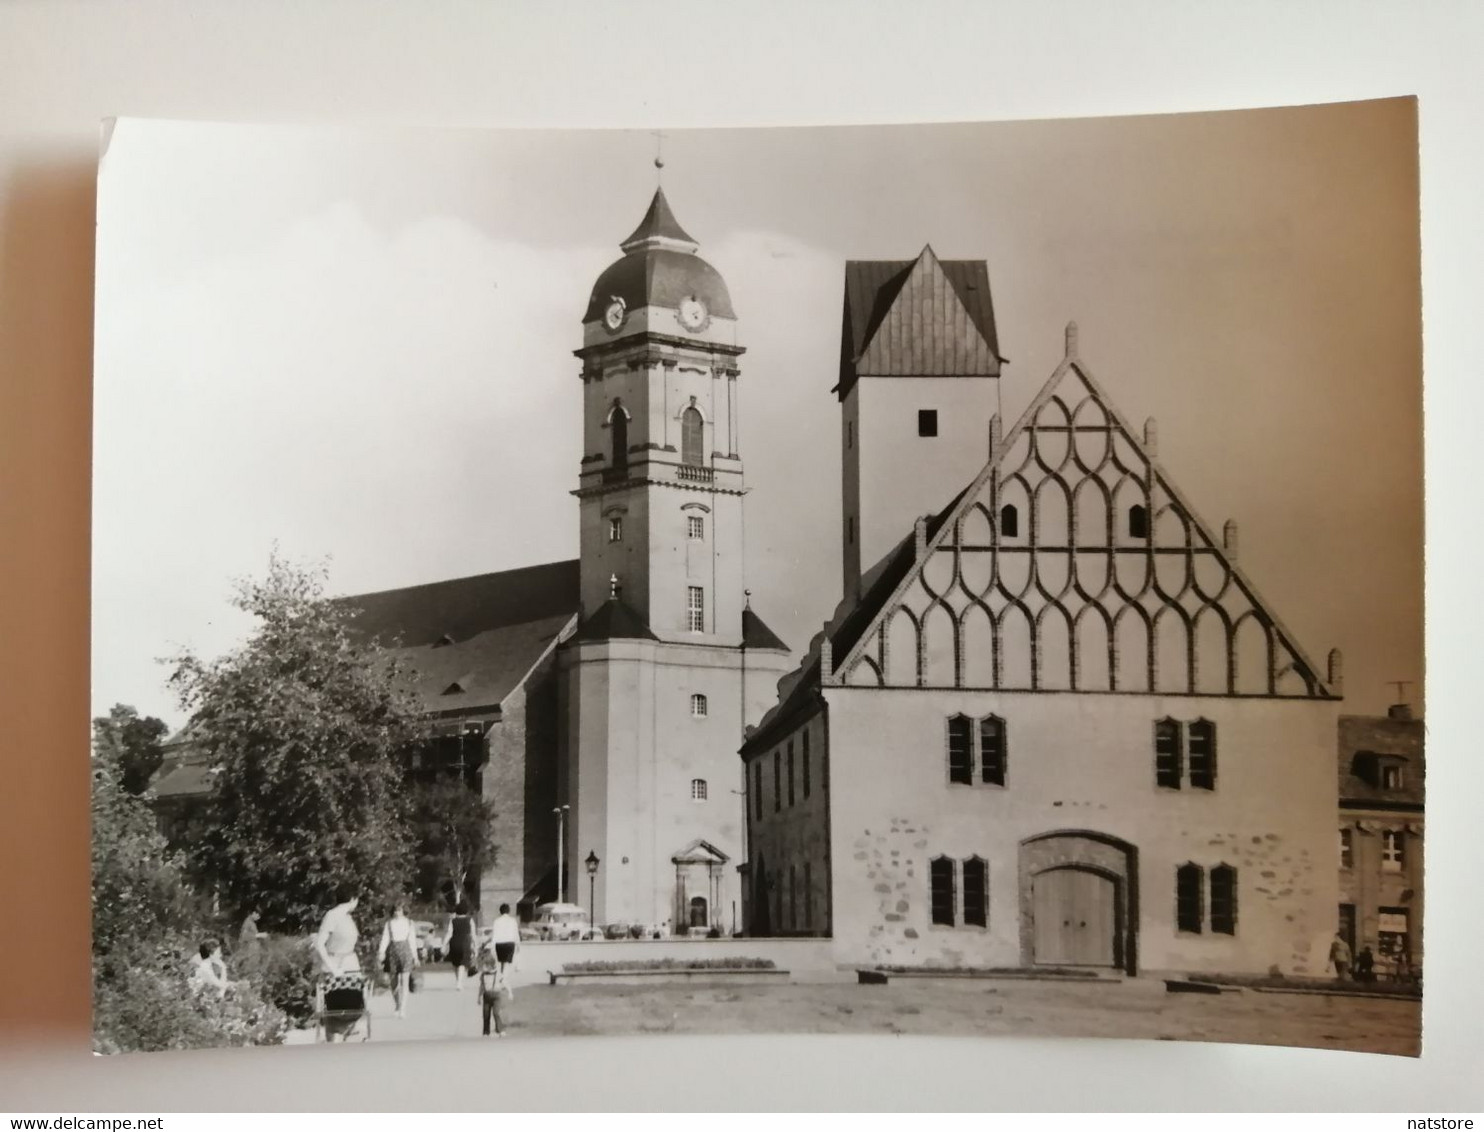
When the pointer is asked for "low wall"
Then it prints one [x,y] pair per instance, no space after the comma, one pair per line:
[535,960]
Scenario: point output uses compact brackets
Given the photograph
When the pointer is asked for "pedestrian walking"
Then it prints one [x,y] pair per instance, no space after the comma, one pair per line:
[335,942]
[1339,957]
[505,936]
[460,943]
[398,953]
[495,994]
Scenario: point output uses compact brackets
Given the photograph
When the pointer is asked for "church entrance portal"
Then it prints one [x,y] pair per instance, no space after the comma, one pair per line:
[1078,901]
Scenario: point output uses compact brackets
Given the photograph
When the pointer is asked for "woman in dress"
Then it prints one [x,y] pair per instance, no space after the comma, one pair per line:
[335,942]
[459,946]
[398,950]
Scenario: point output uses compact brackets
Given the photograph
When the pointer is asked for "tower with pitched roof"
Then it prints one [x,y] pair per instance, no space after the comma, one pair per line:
[919,381]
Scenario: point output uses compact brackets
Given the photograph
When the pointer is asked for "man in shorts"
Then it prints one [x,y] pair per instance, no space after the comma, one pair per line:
[505,936]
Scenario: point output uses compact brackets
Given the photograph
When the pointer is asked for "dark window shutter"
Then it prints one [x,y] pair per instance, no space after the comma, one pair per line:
[941,871]
[960,751]
[992,750]
[976,892]
[1189,913]
[1203,755]
[1167,754]
[1224,900]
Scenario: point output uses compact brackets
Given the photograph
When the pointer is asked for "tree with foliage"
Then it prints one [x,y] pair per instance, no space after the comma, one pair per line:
[453,827]
[146,924]
[307,729]
[133,744]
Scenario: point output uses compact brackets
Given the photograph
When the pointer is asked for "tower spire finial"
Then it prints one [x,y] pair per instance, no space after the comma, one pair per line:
[613,586]
[659,158]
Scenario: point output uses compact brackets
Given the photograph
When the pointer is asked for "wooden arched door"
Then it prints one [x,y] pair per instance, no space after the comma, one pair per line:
[1076,918]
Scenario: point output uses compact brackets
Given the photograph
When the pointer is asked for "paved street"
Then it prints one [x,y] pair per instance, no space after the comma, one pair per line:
[1138,1008]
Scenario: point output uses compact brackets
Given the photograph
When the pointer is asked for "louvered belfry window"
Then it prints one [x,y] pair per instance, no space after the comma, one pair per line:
[692,432]
[1203,755]
[1224,900]
[1167,768]
[1189,910]
[944,898]
[960,750]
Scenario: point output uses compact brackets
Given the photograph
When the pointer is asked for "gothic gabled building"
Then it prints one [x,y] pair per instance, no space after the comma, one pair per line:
[1055,725]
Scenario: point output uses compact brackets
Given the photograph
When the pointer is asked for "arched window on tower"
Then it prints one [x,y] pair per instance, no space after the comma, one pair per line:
[692,432]
[618,423]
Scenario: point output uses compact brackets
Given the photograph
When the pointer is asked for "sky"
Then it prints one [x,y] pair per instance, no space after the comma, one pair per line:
[356,345]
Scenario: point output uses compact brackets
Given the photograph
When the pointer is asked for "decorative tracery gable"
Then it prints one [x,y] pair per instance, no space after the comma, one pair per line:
[1106,580]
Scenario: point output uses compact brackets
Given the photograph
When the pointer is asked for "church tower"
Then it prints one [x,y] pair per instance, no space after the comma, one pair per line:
[668,662]
[919,383]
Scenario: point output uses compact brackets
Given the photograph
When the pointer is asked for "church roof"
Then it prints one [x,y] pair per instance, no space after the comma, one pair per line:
[757,635]
[471,641]
[659,268]
[659,223]
[917,318]
[615,620]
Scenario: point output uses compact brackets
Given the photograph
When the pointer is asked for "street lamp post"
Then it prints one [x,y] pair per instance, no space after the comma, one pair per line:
[561,813]
[592,873]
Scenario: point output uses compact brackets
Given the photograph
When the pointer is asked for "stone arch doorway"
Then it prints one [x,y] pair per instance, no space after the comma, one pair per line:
[1079,901]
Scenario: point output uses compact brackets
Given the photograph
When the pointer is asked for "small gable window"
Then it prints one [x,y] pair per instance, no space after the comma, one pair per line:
[927,422]
[695,527]
[942,883]
[1189,898]
[1138,521]
[698,705]
[976,892]
[1224,900]
[615,529]
[697,789]
[1009,521]
[1391,776]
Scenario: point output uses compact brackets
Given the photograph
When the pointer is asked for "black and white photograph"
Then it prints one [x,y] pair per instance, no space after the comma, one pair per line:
[934,579]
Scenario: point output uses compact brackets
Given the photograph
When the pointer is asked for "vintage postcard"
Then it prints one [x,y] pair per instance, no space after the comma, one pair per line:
[938,579]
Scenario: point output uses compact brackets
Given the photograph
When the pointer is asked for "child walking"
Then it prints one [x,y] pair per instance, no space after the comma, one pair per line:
[495,993]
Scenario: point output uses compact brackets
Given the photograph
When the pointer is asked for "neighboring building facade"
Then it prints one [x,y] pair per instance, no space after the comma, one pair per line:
[1382,770]
[616,685]
[1058,727]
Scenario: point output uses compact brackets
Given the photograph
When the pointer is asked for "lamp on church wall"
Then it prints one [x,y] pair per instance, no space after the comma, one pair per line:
[592,874]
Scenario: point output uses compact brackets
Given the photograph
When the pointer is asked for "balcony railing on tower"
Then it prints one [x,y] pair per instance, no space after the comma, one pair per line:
[694,473]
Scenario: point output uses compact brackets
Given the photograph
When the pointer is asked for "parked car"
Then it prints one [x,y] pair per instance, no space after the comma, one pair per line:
[560,921]
[592,933]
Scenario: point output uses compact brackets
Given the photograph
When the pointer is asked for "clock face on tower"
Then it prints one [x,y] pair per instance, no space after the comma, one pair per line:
[693,314]
[613,316]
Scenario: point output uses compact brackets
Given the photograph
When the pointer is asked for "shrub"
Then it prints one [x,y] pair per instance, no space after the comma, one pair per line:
[283,970]
[697,964]
[149,1005]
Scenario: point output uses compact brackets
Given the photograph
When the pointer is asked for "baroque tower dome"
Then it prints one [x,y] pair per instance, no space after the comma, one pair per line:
[659,268]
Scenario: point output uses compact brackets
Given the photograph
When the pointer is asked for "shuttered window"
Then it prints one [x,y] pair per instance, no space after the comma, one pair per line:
[976,892]
[1203,755]
[1189,910]
[960,750]
[790,772]
[1167,760]
[944,899]
[1224,900]
[992,750]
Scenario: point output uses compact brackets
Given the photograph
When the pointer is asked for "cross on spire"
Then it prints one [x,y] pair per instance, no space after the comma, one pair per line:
[659,156]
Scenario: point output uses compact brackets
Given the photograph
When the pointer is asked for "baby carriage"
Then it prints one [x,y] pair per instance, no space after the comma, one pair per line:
[341,1003]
